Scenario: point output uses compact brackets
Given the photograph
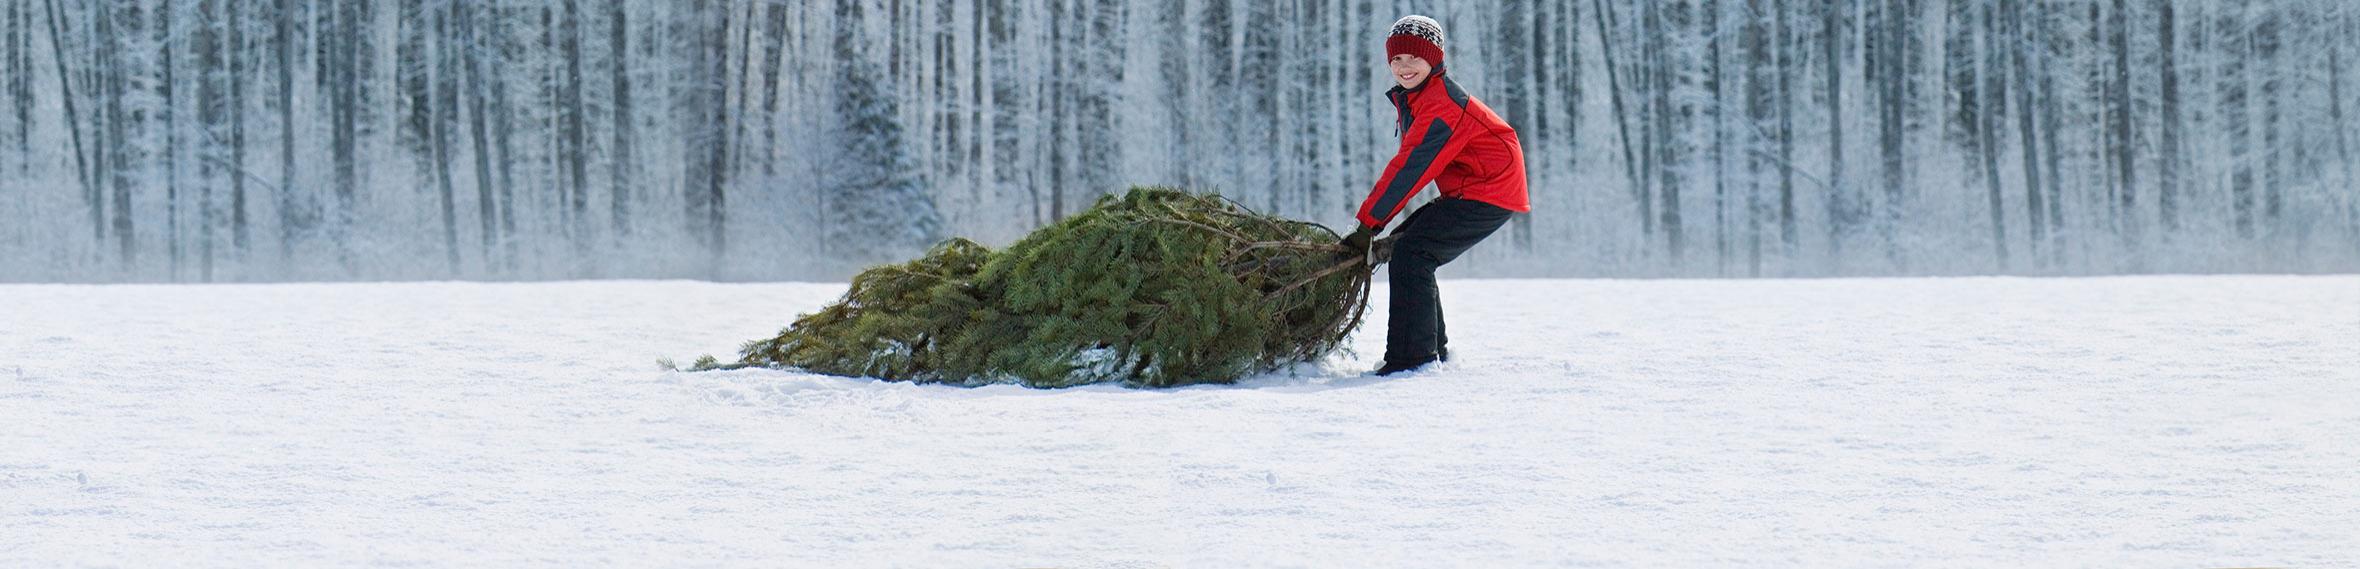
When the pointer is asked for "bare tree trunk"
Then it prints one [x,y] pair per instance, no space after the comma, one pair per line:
[2168,165]
[985,133]
[625,163]
[20,90]
[1759,90]
[716,172]
[1059,77]
[773,51]
[211,104]
[412,71]
[2052,113]
[1891,57]
[1838,208]
[2095,76]
[122,173]
[291,219]
[1713,83]
[2236,115]
[165,52]
[2335,98]
[1568,78]
[486,210]
[742,110]
[549,77]
[1670,158]
[1534,63]
[445,114]
[1987,129]
[2125,145]
[503,133]
[1622,120]
[240,236]
[346,118]
[2268,38]
[1959,60]
[1789,238]
[576,141]
[1179,81]
[2020,42]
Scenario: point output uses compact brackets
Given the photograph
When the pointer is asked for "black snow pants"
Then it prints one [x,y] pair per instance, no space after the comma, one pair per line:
[1431,237]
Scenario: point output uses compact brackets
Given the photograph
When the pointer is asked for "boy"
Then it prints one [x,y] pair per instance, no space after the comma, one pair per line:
[1454,141]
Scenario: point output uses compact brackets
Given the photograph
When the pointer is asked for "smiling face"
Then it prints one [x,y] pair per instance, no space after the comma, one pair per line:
[1410,70]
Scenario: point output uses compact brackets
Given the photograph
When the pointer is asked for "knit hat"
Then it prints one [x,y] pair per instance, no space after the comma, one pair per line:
[1416,35]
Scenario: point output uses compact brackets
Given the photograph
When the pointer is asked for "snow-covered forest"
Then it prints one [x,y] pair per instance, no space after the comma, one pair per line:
[227,140]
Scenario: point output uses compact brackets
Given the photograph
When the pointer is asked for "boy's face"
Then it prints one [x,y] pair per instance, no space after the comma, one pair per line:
[1410,70]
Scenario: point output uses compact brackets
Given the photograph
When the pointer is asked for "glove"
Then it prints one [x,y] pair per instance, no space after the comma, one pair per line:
[1358,240]
[1358,244]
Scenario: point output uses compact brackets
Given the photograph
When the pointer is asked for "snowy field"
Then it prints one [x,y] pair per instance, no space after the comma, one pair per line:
[2110,422]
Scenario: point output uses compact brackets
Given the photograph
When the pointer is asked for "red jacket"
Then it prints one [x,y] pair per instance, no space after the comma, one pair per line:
[1454,141]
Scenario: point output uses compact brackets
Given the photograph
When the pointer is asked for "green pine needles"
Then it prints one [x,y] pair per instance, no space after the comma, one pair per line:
[1157,287]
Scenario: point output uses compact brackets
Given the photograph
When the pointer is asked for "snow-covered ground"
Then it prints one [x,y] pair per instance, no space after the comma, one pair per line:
[2116,422]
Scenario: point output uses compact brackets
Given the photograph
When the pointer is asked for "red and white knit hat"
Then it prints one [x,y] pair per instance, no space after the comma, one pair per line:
[1416,35]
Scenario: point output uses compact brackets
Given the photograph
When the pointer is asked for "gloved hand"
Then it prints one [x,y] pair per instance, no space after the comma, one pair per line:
[1358,243]
[1358,240]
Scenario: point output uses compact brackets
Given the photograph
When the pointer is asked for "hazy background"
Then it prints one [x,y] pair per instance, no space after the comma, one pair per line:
[260,140]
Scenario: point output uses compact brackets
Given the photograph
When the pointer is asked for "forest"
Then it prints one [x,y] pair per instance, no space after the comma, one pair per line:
[278,140]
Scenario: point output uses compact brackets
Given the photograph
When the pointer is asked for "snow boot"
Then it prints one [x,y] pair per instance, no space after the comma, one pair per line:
[1391,368]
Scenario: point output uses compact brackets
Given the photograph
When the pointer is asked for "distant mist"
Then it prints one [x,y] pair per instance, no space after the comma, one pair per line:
[271,140]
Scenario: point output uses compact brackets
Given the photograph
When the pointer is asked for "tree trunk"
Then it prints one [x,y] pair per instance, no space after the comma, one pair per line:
[773,51]
[1789,238]
[412,70]
[1568,78]
[292,219]
[2125,144]
[716,171]
[977,149]
[235,48]
[445,109]
[1987,129]
[1958,72]
[2168,165]
[211,104]
[1892,56]
[346,118]
[122,172]
[2236,115]
[1096,136]
[1759,91]
[2268,39]
[1714,80]
[2335,98]
[20,81]
[576,141]
[1060,84]
[1838,207]
[2021,39]
[2052,113]
[1671,157]
[1622,120]
[1534,62]
[503,133]
[625,162]
[166,53]
[486,211]
[549,77]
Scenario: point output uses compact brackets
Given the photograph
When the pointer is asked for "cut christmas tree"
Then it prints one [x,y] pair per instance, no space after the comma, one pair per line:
[1157,287]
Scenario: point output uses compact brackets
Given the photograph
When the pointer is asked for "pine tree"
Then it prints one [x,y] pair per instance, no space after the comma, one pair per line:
[1155,288]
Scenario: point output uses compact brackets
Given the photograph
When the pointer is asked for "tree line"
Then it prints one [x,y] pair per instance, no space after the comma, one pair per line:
[195,140]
